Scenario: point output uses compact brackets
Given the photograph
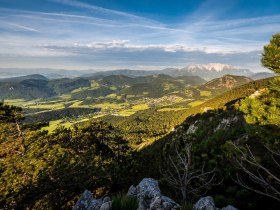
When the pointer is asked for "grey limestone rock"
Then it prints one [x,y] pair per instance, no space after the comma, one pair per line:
[132,191]
[229,207]
[106,199]
[86,202]
[148,187]
[106,205]
[149,196]
[205,203]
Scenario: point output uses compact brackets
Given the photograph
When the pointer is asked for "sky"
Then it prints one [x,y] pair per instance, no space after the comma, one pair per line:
[135,34]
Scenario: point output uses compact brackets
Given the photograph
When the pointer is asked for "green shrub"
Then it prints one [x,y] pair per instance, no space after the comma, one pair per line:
[124,202]
[187,206]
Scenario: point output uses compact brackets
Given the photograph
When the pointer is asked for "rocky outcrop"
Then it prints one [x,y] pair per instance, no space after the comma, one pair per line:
[150,198]
[192,128]
[207,203]
[86,202]
[147,192]
[257,93]
[227,122]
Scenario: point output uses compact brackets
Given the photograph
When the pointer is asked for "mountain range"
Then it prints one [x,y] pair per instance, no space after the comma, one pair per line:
[205,71]
[153,86]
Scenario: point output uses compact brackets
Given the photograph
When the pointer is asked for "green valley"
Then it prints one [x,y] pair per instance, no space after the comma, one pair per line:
[75,100]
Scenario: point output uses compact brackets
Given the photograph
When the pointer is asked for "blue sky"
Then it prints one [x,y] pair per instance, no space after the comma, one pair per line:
[146,34]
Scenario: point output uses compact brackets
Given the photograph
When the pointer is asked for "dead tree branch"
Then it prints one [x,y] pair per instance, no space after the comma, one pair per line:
[261,179]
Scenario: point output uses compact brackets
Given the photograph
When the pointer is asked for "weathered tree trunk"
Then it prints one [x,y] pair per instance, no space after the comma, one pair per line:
[21,138]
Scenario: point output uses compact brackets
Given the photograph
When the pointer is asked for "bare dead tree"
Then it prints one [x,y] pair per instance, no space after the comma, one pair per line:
[17,117]
[181,174]
[260,178]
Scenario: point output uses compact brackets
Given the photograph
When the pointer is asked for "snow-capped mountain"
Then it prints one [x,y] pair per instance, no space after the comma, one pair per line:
[210,67]
[213,70]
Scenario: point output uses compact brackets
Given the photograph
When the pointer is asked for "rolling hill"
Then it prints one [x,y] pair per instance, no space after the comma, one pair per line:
[262,75]
[27,87]
[227,82]
[37,86]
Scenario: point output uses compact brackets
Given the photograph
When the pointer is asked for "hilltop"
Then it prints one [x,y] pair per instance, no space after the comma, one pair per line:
[227,82]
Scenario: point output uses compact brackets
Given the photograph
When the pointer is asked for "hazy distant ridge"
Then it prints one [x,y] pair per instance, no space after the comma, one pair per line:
[205,71]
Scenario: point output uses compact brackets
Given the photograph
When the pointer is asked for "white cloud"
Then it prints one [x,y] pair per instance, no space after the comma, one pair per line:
[16,27]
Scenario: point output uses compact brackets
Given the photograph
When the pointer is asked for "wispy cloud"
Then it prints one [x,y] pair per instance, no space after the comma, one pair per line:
[16,27]
[119,45]
[102,10]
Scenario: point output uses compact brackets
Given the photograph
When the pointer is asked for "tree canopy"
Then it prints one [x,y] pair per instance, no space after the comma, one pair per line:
[271,54]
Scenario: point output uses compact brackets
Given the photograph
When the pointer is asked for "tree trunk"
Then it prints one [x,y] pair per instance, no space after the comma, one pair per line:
[21,138]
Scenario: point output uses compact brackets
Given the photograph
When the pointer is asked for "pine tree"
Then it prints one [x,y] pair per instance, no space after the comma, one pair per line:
[271,54]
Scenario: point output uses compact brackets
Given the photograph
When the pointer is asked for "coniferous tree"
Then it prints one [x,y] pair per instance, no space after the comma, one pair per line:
[271,54]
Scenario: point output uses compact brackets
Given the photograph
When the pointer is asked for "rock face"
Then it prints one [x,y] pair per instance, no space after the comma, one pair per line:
[86,202]
[226,123]
[207,203]
[192,129]
[149,196]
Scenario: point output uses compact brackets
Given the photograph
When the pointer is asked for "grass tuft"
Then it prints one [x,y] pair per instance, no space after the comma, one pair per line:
[124,202]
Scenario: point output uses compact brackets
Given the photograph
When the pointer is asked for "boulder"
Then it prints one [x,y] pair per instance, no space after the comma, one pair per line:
[205,203]
[142,205]
[149,196]
[156,203]
[106,199]
[106,205]
[167,205]
[95,204]
[132,191]
[148,187]
[86,202]
[229,207]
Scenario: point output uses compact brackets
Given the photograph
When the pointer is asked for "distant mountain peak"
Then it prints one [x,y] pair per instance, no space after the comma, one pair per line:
[211,67]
